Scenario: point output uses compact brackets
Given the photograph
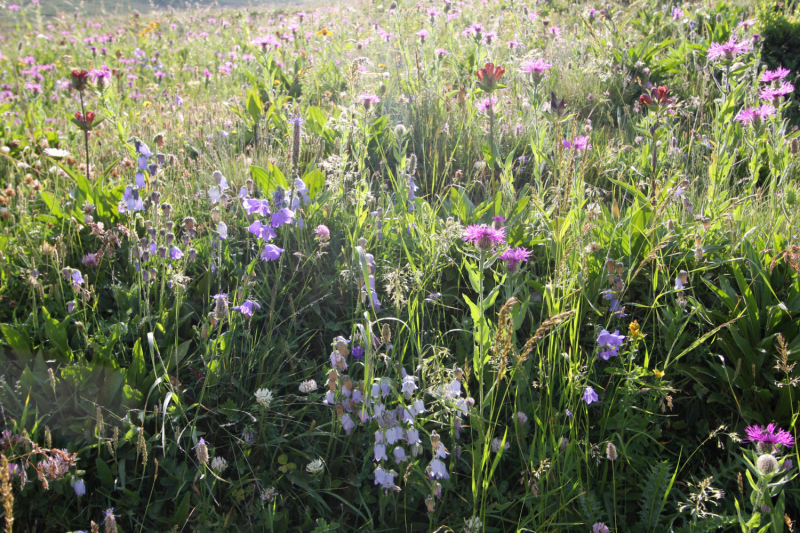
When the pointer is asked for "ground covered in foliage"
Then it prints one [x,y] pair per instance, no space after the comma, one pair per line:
[447,266]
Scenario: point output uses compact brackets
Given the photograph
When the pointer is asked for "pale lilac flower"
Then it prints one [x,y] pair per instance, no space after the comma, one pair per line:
[252,206]
[261,231]
[271,252]
[222,230]
[589,396]
[77,278]
[599,527]
[175,253]
[247,308]
[437,470]
[399,454]
[79,486]
[283,216]
[380,452]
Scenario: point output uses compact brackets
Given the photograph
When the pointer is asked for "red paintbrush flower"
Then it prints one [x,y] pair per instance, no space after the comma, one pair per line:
[489,75]
[80,78]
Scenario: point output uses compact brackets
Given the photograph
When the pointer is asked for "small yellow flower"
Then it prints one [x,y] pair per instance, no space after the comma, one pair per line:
[634,331]
[325,32]
[658,373]
[381,65]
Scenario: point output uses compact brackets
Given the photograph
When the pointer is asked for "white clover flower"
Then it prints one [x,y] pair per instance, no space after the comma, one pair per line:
[308,386]
[472,525]
[56,153]
[268,494]
[522,418]
[496,443]
[315,467]
[219,464]
[264,397]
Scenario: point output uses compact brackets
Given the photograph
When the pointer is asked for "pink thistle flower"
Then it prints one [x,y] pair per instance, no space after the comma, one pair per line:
[514,256]
[728,50]
[484,237]
[774,94]
[755,114]
[487,104]
[536,67]
[769,437]
[772,75]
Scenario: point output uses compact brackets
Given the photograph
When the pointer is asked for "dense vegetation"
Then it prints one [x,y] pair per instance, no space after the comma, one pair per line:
[468,266]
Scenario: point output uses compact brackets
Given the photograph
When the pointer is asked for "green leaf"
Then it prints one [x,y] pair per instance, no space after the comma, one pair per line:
[254,106]
[137,371]
[104,473]
[268,179]
[182,512]
[314,180]
[20,342]
[57,333]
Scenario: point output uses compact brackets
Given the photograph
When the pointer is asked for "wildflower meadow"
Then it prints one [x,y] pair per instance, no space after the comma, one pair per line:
[444,266]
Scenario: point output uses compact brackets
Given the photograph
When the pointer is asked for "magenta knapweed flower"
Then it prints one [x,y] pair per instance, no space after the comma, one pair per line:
[423,34]
[755,114]
[487,104]
[484,237]
[774,94]
[535,66]
[441,52]
[514,256]
[728,50]
[768,437]
[578,143]
[746,23]
[772,75]
[368,99]
[589,396]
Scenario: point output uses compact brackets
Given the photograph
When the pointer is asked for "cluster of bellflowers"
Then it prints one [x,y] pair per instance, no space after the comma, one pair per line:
[389,410]
[369,296]
[266,218]
[614,293]
[159,243]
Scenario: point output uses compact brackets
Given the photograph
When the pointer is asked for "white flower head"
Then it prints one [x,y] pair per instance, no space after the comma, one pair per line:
[219,464]
[56,153]
[315,467]
[472,525]
[268,494]
[496,443]
[264,397]
[308,386]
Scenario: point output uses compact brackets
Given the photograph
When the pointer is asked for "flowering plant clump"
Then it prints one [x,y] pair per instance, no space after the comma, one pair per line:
[446,266]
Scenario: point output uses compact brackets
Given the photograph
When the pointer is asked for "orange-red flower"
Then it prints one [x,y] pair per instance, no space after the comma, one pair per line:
[489,75]
[79,79]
